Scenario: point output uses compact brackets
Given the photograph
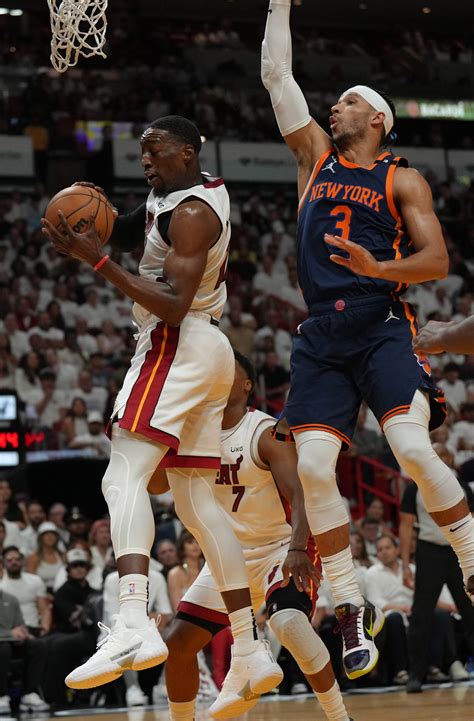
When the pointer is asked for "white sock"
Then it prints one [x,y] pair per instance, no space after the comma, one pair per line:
[244,630]
[182,711]
[341,575]
[332,704]
[460,535]
[134,600]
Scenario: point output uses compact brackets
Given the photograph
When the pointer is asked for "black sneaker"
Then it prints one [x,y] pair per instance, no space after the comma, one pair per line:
[359,627]
[414,685]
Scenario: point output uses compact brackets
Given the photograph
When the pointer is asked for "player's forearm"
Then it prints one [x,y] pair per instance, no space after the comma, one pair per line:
[158,298]
[289,104]
[300,531]
[459,337]
[420,267]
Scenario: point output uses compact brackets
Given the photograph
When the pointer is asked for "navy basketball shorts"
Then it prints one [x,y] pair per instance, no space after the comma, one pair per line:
[352,350]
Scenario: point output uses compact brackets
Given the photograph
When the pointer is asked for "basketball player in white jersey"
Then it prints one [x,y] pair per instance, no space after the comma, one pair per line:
[256,481]
[172,398]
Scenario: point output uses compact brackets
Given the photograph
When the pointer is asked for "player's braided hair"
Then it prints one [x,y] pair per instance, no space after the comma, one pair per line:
[181,128]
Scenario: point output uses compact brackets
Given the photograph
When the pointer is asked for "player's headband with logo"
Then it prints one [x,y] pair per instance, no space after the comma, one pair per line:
[376,101]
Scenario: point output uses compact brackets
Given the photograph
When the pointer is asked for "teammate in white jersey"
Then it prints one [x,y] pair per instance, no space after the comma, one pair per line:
[257,487]
[172,398]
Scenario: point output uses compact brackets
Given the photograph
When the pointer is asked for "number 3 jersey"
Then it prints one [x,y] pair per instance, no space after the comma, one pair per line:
[349,201]
[245,488]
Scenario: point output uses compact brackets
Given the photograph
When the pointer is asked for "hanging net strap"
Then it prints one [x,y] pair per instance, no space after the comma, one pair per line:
[78,27]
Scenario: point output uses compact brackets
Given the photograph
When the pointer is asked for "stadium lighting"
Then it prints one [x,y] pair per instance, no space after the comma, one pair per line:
[426,10]
[4,11]
[16,12]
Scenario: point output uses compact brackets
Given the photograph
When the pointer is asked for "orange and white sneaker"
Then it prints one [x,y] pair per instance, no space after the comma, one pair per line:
[248,678]
[122,648]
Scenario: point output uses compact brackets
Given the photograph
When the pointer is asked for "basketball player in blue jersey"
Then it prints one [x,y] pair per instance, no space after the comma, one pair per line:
[366,230]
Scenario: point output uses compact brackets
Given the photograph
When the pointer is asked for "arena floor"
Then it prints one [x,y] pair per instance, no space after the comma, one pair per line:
[437,704]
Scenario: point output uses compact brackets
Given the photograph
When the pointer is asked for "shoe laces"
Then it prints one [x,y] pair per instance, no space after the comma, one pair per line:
[349,627]
[108,631]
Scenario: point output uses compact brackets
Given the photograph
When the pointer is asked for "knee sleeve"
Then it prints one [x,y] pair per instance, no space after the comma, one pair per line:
[198,510]
[409,439]
[133,461]
[294,631]
[317,457]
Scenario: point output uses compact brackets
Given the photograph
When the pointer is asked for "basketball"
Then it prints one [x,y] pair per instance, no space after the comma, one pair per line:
[79,203]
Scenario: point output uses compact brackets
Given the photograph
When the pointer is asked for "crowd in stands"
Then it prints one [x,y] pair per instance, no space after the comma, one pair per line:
[66,339]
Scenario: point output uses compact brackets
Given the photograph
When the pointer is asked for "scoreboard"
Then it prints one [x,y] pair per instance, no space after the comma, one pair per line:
[11,435]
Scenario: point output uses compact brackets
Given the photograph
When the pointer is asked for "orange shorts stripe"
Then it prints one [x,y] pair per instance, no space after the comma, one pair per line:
[399,410]
[322,427]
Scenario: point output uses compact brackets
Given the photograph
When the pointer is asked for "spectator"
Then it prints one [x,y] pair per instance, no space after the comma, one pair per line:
[454,388]
[281,337]
[13,512]
[461,438]
[359,551]
[100,543]
[18,339]
[370,531]
[75,421]
[167,555]
[29,590]
[34,516]
[77,525]
[95,438]
[27,382]
[16,642]
[190,562]
[375,510]
[69,598]
[50,403]
[241,336]
[95,397]
[57,514]
[13,533]
[94,575]
[277,382]
[48,559]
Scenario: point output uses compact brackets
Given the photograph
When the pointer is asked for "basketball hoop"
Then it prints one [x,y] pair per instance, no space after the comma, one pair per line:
[78,28]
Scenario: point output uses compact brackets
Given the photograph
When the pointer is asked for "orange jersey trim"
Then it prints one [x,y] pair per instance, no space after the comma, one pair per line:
[397,411]
[316,170]
[389,191]
[322,427]
[348,164]
[151,378]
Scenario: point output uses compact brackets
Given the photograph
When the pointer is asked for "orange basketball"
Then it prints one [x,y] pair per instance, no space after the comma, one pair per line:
[79,203]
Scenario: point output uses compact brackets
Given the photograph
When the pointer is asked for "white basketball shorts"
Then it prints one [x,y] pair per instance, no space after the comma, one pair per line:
[176,389]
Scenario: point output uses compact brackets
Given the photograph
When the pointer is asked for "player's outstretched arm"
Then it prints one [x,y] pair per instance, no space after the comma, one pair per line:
[194,227]
[282,460]
[452,337]
[302,134]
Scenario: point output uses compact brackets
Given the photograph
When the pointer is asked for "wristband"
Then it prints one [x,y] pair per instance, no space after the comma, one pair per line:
[303,550]
[101,262]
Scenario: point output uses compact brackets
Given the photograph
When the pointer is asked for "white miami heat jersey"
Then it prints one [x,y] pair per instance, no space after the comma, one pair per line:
[211,294]
[245,488]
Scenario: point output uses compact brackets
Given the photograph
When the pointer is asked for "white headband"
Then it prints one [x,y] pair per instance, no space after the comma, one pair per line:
[376,101]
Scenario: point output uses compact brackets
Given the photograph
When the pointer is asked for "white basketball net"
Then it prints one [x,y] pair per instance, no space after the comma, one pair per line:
[78,28]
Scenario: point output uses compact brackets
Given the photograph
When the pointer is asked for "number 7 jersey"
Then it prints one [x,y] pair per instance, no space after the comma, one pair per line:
[355,203]
[245,488]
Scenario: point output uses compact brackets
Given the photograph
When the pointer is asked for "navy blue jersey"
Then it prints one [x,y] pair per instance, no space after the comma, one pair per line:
[352,202]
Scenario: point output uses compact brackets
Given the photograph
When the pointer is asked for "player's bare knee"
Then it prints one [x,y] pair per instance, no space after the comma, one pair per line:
[182,640]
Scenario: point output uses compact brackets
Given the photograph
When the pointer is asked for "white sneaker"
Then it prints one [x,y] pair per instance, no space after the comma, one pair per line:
[359,627]
[33,702]
[121,649]
[457,672]
[4,704]
[248,677]
[134,696]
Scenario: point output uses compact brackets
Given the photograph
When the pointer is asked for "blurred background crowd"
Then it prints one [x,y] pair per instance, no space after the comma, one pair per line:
[66,337]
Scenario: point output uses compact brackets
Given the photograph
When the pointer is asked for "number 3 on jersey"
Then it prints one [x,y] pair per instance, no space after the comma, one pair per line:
[344,224]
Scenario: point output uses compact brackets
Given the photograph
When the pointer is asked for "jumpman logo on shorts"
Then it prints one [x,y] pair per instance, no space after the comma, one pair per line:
[329,166]
[391,315]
